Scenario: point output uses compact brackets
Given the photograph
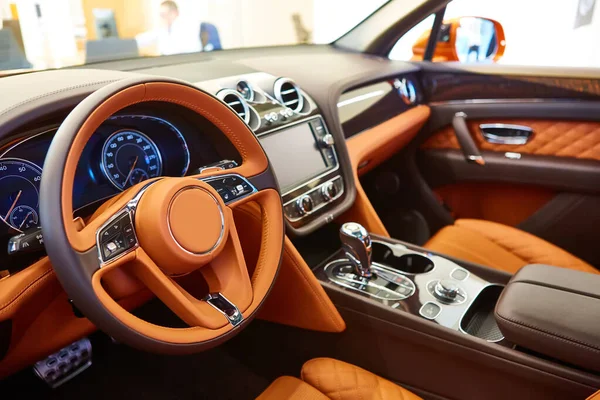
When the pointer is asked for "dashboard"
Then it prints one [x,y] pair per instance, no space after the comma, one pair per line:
[289,97]
[159,139]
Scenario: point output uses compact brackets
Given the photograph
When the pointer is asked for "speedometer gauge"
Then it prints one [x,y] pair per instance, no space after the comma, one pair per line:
[19,193]
[129,157]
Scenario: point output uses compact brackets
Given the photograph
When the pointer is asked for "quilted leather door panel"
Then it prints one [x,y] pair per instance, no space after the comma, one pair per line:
[573,139]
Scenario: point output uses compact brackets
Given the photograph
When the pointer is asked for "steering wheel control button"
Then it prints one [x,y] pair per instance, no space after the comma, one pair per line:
[231,187]
[447,291]
[28,242]
[430,310]
[116,237]
[305,205]
[459,274]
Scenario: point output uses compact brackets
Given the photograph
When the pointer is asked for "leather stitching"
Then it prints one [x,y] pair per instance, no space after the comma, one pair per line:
[261,258]
[563,338]
[32,99]
[562,139]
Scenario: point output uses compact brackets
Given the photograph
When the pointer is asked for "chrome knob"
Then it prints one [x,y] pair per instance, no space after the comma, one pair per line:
[356,243]
[327,140]
[328,191]
[446,291]
[304,204]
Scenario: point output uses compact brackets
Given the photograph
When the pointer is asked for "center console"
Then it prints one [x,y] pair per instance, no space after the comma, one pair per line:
[423,284]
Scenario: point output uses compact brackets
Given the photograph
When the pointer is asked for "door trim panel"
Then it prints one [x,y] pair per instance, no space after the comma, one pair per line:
[442,167]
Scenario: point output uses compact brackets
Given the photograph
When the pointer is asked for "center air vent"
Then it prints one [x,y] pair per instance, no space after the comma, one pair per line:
[235,100]
[288,93]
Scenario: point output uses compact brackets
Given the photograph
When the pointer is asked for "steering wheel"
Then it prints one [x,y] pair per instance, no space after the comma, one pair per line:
[163,228]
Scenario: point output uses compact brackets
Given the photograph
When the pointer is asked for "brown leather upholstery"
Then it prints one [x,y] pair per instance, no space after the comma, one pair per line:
[501,247]
[287,387]
[575,139]
[343,381]
[335,380]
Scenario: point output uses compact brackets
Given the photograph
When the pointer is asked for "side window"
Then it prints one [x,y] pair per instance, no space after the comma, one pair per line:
[512,32]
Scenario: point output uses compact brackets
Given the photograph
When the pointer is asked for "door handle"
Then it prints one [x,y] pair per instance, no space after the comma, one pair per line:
[465,140]
[506,133]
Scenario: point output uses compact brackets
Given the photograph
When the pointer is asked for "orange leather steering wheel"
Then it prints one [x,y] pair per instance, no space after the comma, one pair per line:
[163,228]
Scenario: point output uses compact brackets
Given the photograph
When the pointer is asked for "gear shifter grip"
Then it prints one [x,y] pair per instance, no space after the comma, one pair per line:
[356,243]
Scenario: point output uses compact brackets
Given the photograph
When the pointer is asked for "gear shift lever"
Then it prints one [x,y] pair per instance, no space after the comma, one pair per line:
[356,243]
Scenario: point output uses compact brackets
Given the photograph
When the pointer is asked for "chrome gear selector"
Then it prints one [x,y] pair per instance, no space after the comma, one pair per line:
[356,243]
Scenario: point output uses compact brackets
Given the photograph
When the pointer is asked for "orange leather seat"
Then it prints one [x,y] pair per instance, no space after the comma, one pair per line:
[501,247]
[326,378]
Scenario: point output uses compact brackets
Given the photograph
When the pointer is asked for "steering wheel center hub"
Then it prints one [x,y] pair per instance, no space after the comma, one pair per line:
[182,223]
[196,220]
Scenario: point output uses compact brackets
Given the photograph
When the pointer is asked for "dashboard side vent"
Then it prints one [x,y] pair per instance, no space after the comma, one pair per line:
[288,93]
[235,100]
[407,91]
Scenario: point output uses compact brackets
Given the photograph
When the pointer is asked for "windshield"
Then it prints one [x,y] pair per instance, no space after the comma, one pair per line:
[47,34]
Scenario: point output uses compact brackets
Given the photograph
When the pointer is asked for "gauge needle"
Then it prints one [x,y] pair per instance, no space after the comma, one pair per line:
[25,220]
[13,205]
[130,171]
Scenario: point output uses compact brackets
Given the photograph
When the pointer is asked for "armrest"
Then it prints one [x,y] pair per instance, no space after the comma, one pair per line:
[553,311]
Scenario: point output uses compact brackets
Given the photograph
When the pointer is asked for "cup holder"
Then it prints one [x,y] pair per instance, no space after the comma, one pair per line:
[408,263]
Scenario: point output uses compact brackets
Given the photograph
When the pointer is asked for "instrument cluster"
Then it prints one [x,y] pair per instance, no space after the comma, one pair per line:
[124,151]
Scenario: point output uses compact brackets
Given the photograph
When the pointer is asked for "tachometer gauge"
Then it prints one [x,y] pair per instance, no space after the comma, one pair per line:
[130,157]
[19,193]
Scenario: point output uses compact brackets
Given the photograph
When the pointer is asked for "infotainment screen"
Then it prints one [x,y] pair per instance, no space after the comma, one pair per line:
[294,155]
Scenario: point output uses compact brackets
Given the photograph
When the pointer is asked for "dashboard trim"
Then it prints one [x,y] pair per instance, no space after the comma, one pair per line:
[27,138]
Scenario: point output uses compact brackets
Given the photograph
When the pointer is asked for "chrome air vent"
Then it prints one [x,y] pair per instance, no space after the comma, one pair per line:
[235,100]
[288,93]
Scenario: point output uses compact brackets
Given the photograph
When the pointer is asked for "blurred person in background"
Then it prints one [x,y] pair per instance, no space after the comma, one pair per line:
[175,34]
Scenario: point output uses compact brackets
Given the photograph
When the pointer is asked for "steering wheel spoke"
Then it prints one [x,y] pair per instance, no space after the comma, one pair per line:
[194,312]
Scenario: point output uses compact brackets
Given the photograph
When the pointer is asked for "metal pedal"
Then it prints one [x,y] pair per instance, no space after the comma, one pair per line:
[65,364]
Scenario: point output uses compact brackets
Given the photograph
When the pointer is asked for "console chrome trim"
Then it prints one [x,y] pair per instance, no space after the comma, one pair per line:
[365,282]
[279,95]
[236,318]
[320,206]
[225,92]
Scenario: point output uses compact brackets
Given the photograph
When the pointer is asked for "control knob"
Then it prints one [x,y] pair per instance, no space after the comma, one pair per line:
[304,204]
[327,140]
[328,191]
[446,291]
